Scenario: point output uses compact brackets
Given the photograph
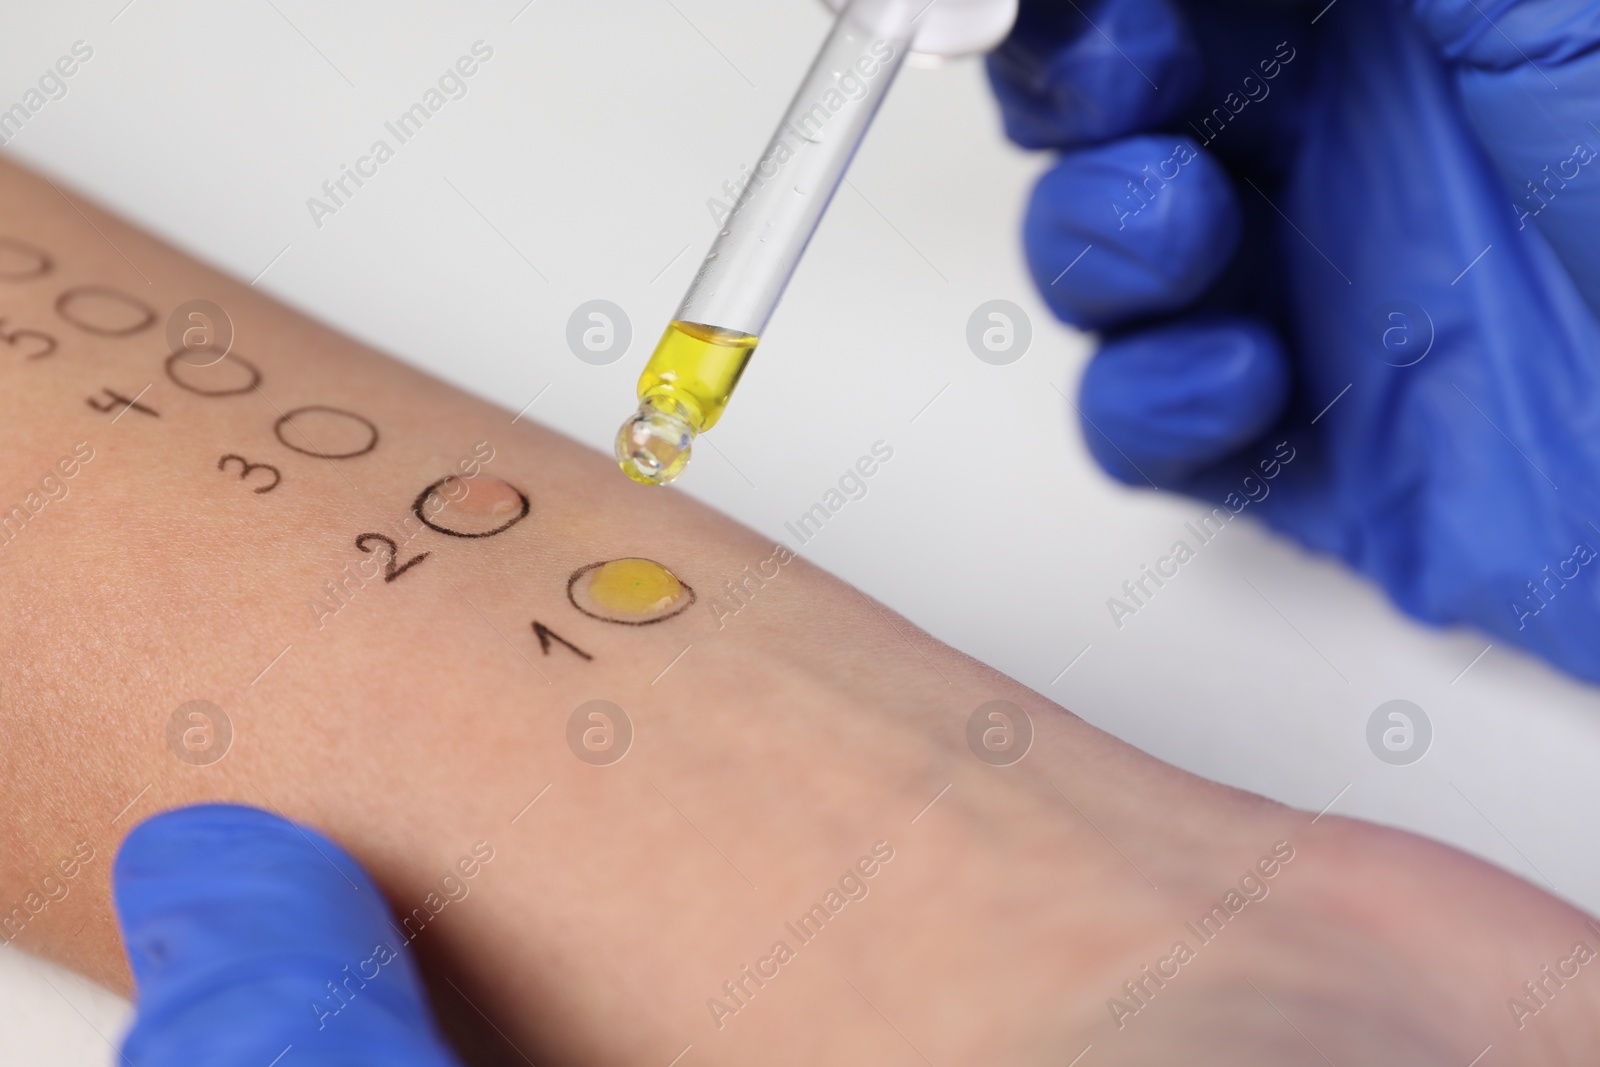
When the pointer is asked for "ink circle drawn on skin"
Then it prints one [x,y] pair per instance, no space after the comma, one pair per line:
[66,300]
[42,263]
[176,360]
[372,432]
[422,498]
[688,595]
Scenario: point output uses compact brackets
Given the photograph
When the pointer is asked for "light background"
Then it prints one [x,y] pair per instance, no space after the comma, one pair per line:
[584,152]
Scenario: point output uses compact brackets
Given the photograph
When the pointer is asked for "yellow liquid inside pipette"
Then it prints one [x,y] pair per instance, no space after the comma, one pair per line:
[698,366]
[683,391]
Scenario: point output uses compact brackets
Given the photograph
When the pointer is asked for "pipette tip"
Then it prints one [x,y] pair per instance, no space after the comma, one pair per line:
[653,445]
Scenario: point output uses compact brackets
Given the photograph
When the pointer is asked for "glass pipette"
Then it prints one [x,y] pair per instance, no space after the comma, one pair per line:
[686,384]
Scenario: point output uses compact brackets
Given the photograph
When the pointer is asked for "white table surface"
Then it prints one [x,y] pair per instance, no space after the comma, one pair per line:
[584,151]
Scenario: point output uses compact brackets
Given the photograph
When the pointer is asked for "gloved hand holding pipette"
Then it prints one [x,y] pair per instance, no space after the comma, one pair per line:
[1370,229]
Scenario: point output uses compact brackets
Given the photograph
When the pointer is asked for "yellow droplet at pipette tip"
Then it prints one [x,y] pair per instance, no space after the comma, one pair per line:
[653,446]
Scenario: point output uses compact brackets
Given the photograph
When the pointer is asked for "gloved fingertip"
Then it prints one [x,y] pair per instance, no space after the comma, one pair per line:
[1161,404]
[245,933]
[1071,75]
[196,857]
[169,844]
[1154,220]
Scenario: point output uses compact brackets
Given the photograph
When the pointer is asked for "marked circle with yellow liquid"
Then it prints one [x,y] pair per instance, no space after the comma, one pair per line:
[629,591]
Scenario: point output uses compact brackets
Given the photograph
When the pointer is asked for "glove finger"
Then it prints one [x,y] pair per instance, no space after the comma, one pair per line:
[1160,405]
[1530,83]
[1153,218]
[1077,74]
[249,935]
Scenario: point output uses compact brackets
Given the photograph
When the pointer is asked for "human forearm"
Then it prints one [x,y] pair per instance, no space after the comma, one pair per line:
[413,719]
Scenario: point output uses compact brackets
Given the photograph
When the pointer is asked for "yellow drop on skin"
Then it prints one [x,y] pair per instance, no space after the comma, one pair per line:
[634,586]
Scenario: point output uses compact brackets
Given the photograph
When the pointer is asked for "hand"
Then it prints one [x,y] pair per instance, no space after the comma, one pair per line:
[249,935]
[1346,275]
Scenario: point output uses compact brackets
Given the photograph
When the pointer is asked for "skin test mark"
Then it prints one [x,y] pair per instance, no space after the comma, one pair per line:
[629,592]
[15,335]
[118,398]
[481,498]
[547,635]
[343,432]
[113,322]
[246,468]
[202,371]
[34,262]
[478,507]
[390,571]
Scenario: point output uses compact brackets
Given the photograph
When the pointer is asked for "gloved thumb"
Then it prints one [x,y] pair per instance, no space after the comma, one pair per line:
[254,940]
[1528,73]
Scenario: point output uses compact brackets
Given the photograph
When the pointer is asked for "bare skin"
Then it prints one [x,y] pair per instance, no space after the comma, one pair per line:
[424,715]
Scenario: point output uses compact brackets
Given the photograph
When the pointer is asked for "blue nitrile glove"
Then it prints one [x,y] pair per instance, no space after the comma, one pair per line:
[1340,214]
[244,932]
